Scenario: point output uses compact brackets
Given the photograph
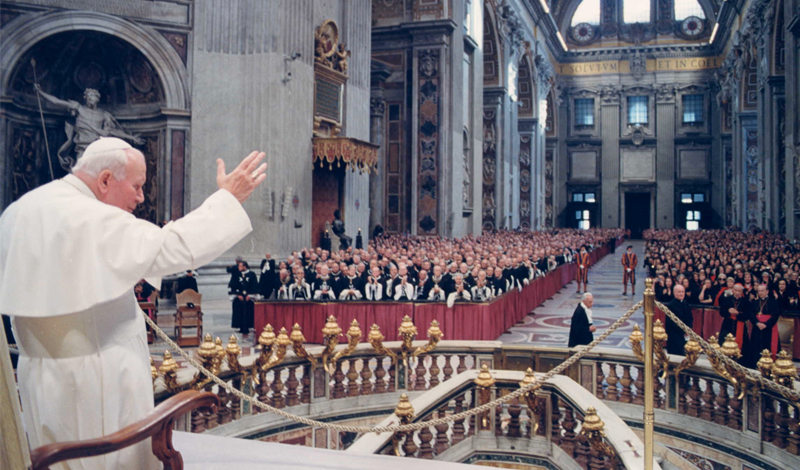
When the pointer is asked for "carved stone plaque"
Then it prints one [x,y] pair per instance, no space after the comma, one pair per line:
[693,164]
[584,165]
[327,99]
[637,165]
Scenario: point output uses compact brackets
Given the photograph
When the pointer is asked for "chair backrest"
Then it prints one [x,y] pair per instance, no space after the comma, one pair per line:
[189,295]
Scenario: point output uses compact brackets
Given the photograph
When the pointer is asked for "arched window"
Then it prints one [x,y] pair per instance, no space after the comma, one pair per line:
[587,12]
[687,8]
[636,11]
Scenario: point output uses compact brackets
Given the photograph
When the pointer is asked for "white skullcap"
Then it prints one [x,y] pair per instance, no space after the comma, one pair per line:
[106,144]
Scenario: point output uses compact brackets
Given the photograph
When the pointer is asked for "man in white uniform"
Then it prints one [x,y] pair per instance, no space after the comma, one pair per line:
[70,254]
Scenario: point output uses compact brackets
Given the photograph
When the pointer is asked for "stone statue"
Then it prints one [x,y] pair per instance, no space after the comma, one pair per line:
[90,124]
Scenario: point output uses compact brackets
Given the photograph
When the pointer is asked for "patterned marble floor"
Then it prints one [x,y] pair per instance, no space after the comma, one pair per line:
[549,324]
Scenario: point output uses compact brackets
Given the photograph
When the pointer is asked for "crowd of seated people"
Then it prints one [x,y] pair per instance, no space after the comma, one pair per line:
[751,277]
[409,268]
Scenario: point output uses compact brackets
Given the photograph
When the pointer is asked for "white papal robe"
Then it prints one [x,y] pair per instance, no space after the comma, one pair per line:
[68,264]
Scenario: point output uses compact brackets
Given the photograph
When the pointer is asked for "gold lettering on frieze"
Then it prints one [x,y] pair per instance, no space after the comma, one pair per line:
[653,65]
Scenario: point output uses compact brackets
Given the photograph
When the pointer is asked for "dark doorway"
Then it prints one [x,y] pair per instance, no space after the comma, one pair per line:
[637,213]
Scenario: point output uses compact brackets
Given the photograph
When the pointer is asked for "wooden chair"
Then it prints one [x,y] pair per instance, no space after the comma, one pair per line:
[188,317]
[158,424]
[150,304]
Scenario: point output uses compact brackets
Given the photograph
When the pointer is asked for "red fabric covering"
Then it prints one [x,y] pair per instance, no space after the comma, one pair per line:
[465,321]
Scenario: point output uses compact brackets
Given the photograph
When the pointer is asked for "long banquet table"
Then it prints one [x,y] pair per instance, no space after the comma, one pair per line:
[472,321]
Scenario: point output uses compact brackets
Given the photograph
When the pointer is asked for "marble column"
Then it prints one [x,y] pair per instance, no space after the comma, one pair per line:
[665,157]
[609,185]
[376,180]
[529,172]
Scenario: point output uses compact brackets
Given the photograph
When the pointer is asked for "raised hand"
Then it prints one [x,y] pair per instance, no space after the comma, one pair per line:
[245,178]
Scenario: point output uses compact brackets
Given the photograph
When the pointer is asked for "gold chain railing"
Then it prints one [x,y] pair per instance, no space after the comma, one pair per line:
[534,384]
[742,371]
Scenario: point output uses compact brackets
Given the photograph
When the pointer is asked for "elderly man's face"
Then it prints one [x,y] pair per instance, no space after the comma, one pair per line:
[589,301]
[679,292]
[127,193]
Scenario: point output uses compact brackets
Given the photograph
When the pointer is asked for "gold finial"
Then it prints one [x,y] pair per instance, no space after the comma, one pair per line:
[407,327]
[375,333]
[267,337]
[434,332]
[783,370]
[730,348]
[765,364]
[153,370]
[404,409]
[297,334]
[169,365]
[283,340]
[713,342]
[331,328]
[207,348]
[528,379]
[354,331]
[692,347]
[484,378]
[233,346]
[636,335]
[648,286]
[220,351]
[659,332]
[592,422]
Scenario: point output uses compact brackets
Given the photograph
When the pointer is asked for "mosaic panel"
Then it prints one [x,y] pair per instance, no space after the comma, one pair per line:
[525,181]
[428,138]
[489,207]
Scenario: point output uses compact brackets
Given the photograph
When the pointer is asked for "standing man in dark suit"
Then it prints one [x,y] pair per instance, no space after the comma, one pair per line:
[268,282]
[186,282]
[680,307]
[735,311]
[241,289]
[766,313]
[581,328]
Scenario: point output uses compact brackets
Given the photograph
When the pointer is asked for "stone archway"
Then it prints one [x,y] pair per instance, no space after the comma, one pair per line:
[142,81]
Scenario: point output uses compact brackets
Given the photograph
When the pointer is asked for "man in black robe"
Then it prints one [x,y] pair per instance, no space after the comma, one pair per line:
[735,311]
[268,282]
[242,288]
[186,282]
[581,327]
[765,315]
[680,307]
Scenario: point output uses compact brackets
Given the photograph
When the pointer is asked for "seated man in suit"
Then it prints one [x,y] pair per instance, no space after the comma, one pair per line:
[481,292]
[186,282]
[351,287]
[323,287]
[373,288]
[581,327]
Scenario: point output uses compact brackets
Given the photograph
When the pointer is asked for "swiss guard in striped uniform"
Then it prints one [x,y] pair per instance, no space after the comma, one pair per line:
[629,261]
[583,269]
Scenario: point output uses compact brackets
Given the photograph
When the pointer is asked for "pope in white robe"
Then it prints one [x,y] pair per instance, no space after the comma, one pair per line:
[70,254]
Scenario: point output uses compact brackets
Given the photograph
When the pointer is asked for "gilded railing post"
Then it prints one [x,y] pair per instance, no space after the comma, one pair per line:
[649,414]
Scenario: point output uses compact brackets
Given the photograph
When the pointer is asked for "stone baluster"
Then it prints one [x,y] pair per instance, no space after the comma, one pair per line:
[682,381]
[597,461]
[793,444]
[223,412]
[658,398]
[694,406]
[448,367]
[556,420]
[236,402]
[498,418]
[380,373]
[392,372]
[601,378]
[582,451]
[305,394]
[366,375]
[541,415]
[277,390]
[721,411]
[419,373]
[352,379]
[263,392]
[198,421]
[612,379]
[458,425]
[638,399]
[768,421]
[442,442]
[735,417]
[514,410]
[338,381]
[425,438]
[292,398]
[782,423]
[569,423]
[434,371]
[462,363]
[707,411]
[627,394]
[409,446]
